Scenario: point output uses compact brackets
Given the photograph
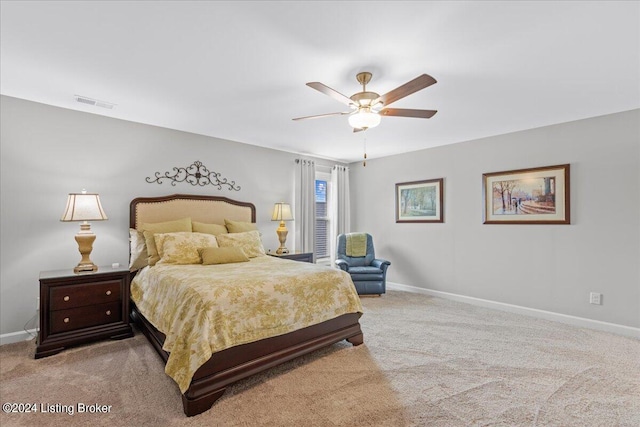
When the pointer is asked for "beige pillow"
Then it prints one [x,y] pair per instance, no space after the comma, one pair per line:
[228,255]
[239,226]
[182,247]
[248,241]
[150,229]
[138,257]
[215,229]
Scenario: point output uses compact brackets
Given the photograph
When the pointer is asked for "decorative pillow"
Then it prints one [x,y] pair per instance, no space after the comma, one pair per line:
[149,230]
[138,257]
[182,247]
[228,255]
[215,229]
[239,226]
[249,242]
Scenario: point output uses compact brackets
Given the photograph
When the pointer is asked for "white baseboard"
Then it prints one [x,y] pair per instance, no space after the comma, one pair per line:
[542,314]
[12,337]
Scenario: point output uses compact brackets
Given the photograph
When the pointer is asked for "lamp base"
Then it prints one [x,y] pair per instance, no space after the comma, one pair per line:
[282,237]
[85,239]
[84,268]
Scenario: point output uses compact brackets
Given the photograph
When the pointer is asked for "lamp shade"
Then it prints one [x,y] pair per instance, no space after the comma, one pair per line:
[83,207]
[281,212]
[364,119]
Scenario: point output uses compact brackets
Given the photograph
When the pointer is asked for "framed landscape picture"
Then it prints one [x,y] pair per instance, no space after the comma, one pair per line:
[527,196]
[420,201]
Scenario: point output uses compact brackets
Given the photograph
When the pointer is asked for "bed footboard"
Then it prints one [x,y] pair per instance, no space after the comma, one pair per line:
[234,364]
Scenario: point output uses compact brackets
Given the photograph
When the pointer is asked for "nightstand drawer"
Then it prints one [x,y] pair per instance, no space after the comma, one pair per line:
[84,317]
[65,297]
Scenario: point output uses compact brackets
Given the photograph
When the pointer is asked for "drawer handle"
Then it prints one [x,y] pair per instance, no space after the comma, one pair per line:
[108,292]
[66,298]
[66,320]
[108,312]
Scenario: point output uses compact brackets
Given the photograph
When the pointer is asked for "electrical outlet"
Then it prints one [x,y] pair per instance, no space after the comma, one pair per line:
[595,298]
[37,303]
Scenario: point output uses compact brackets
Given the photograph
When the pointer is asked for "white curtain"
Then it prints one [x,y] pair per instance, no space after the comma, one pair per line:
[340,206]
[305,216]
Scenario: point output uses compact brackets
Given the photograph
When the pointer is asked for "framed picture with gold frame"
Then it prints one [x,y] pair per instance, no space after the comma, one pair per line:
[420,201]
[527,196]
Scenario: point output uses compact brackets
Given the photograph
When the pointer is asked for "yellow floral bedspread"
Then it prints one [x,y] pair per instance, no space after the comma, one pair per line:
[207,308]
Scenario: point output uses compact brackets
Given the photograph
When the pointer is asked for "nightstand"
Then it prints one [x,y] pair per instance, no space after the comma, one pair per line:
[79,308]
[302,257]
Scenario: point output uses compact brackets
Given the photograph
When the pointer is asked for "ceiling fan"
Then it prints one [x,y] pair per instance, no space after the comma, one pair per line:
[368,107]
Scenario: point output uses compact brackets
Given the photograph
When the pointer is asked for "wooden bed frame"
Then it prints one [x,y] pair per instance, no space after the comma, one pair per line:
[233,364]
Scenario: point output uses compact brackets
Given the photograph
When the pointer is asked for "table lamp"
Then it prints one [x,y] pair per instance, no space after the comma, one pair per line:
[282,213]
[84,207]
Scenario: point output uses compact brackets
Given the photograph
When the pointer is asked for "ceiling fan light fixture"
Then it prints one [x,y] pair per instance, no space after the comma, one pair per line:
[364,119]
[367,107]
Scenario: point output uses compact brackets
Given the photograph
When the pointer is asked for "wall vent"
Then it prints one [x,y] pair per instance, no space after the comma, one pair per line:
[90,101]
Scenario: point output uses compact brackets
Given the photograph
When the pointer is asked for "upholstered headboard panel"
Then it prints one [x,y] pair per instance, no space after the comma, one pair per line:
[207,209]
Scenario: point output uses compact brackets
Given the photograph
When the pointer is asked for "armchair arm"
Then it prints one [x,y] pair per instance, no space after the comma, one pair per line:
[380,263]
[344,265]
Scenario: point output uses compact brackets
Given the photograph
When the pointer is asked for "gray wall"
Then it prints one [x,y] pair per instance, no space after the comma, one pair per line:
[546,267]
[48,152]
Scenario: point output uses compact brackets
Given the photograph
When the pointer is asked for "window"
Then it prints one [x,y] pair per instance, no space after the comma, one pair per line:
[322,220]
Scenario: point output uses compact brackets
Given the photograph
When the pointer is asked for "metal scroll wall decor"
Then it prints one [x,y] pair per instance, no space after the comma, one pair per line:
[195,174]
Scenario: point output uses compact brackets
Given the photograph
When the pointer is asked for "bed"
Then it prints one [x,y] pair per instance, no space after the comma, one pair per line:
[236,362]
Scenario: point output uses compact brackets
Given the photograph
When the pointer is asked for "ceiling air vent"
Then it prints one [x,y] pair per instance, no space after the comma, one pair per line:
[90,101]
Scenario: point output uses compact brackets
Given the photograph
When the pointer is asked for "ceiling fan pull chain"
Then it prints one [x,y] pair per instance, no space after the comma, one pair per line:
[364,162]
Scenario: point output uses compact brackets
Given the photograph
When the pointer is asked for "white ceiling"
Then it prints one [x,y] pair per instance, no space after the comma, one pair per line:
[237,70]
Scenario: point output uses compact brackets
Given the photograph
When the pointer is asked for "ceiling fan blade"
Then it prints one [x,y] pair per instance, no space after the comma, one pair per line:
[406,89]
[404,112]
[357,130]
[331,92]
[323,115]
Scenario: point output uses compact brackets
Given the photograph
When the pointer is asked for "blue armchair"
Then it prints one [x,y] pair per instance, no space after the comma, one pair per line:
[368,273]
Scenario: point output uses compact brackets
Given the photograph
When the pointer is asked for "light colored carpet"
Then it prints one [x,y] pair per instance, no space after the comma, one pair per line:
[426,362]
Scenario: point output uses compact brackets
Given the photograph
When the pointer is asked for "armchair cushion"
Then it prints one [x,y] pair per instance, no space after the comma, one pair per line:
[365,270]
[366,274]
